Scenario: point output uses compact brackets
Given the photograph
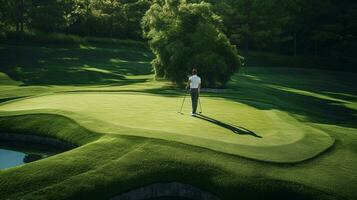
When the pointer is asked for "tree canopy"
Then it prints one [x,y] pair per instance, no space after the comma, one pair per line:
[321,28]
[187,35]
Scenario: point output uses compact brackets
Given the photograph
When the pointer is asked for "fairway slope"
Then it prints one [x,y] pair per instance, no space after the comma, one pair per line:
[273,133]
[104,166]
[228,127]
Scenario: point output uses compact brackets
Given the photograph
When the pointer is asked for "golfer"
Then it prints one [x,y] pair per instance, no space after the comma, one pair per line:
[194,82]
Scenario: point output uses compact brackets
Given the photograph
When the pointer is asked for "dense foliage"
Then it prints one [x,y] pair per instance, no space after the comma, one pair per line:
[185,36]
[321,28]
[103,18]
[305,27]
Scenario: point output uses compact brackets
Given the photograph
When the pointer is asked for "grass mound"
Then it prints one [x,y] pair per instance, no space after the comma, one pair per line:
[104,98]
[153,116]
[113,164]
[48,125]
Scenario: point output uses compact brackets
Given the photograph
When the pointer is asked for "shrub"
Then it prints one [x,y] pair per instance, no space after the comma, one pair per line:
[185,35]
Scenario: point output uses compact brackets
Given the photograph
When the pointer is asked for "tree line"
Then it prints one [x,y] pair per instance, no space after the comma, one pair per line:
[294,27]
[100,18]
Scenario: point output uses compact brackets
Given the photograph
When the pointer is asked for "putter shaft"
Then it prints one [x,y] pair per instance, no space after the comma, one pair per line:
[183,102]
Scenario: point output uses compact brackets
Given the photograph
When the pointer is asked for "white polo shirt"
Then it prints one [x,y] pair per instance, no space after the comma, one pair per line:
[195,81]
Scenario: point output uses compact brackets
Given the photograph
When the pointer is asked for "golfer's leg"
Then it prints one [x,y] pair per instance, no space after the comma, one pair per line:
[192,99]
[194,102]
[197,97]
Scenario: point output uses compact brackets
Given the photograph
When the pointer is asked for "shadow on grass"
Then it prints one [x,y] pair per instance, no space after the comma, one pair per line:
[295,91]
[263,95]
[3,100]
[299,94]
[235,129]
[74,65]
[267,94]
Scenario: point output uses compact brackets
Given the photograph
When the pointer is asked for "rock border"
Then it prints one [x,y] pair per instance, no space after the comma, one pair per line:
[170,189]
[34,139]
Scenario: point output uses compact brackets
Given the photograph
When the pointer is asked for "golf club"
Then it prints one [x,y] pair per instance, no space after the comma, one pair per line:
[183,102]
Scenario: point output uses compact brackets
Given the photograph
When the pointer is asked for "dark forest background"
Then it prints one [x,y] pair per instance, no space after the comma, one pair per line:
[320,30]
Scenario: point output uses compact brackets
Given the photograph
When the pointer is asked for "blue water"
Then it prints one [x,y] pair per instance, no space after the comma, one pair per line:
[10,158]
[14,154]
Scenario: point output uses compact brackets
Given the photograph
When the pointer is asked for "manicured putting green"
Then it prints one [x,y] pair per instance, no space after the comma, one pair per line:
[225,126]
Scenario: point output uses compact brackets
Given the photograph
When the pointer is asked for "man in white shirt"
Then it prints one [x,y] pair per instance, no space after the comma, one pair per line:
[194,82]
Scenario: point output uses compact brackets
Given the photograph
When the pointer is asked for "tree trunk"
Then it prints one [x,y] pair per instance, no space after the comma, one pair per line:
[295,44]
[22,10]
[86,23]
[111,20]
[22,30]
[111,26]
[17,27]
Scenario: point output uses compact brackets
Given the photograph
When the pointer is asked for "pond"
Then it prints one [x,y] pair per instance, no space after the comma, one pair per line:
[13,154]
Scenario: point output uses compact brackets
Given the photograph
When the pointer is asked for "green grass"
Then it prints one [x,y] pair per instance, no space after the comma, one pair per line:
[276,133]
[143,115]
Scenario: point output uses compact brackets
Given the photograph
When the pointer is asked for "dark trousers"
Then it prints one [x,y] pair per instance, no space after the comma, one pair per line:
[194,98]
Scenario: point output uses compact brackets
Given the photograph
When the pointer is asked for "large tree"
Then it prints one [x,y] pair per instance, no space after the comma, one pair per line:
[50,15]
[185,35]
[14,13]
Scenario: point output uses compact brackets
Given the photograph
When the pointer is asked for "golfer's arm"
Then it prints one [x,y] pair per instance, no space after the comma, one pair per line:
[199,88]
[188,83]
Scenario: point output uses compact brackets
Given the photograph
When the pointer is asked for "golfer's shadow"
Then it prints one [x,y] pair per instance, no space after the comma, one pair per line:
[235,129]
